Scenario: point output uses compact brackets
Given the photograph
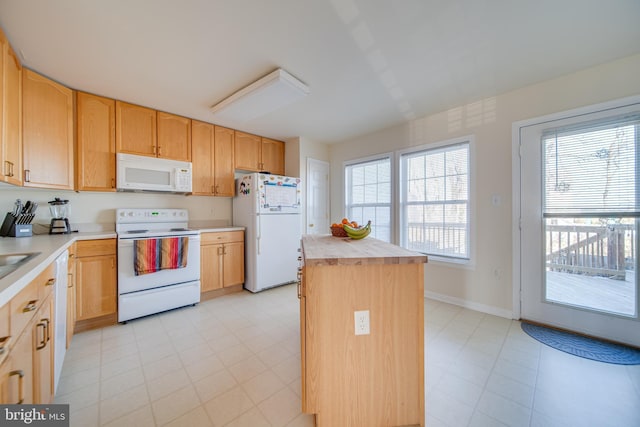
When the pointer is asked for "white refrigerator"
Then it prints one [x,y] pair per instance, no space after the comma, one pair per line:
[268,206]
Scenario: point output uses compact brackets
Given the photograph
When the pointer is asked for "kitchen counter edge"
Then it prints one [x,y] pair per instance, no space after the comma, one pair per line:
[217,229]
[328,250]
[49,248]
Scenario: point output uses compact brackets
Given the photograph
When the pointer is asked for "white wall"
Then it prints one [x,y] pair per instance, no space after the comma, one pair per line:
[297,151]
[486,285]
[91,210]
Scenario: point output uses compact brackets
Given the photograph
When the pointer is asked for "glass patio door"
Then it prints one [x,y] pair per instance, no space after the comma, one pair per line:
[579,223]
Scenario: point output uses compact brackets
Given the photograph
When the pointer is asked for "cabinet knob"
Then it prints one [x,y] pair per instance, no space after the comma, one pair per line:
[50,282]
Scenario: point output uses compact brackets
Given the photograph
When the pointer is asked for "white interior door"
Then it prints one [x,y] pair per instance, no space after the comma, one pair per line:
[578,266]
[317,197]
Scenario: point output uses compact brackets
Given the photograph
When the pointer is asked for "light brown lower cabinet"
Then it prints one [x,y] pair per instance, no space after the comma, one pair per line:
[26,373]
[17,371]
[96,283]
[221,260]
[372,379]
[43,353]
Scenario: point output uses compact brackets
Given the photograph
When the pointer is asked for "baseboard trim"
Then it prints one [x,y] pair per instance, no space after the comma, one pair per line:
[207,295]
[483,308]
[95,323]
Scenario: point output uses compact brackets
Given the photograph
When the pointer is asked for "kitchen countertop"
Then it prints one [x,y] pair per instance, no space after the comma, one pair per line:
[50,247]
[321,249]
[216,229]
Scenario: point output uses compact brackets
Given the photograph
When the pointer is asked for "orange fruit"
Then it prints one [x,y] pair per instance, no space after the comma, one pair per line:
[345,221]
[354,224]
[334,225]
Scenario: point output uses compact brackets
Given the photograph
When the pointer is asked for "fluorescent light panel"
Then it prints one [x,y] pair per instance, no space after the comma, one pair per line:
[273,91]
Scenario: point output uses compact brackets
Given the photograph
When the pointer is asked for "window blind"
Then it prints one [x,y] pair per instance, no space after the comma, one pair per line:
[436,201]
[592,170]
[368,195]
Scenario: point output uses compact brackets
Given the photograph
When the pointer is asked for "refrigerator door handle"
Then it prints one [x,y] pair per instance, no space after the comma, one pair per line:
[259,233]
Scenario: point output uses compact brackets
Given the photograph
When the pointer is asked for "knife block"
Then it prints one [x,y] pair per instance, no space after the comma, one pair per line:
[21,230]
[17,225]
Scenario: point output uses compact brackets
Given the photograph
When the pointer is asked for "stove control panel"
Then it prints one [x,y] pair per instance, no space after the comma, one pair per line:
[151,215]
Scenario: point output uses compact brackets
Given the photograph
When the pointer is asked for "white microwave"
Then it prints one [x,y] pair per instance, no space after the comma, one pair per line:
[142,173]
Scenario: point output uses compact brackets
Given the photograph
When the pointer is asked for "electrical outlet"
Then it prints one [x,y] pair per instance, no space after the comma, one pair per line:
[362,322]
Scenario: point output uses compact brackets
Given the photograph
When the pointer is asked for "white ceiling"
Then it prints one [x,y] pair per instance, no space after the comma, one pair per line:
[370,64]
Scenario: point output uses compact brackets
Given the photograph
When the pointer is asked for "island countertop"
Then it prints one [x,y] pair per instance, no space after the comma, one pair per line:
[320,249]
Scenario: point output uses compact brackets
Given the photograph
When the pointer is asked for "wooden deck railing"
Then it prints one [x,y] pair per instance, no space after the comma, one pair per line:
[434,238]
[593,250]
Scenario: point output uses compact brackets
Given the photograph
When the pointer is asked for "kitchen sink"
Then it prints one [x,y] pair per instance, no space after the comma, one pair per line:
[10,262]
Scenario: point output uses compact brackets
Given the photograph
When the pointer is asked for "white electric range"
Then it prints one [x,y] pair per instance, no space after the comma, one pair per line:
[146,294]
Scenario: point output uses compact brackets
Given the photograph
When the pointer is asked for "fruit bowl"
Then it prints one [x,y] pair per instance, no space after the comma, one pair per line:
[338,231]
[350,229]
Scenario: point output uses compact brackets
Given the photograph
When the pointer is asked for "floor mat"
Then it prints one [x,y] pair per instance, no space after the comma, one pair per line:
[582,346]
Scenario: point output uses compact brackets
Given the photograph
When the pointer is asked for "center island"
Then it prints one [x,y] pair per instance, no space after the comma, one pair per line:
[362,332]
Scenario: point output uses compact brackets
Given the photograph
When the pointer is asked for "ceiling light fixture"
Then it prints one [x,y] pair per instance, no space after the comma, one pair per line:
[271,92]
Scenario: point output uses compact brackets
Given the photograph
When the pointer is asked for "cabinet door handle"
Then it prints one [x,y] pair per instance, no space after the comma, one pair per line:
[159,150]
[220,251]
[47,328]
[7,168]
[153,150]
[4,343]
[113,183]
[299,283]
[11,169]
[50,282]
[31,305]
[20,374]
[42,344]
[70,280]
[27,175]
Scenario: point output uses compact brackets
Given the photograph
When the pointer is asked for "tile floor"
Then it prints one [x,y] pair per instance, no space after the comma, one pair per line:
[234,361]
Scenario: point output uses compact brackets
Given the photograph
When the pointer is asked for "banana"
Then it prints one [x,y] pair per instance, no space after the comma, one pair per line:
[358,233]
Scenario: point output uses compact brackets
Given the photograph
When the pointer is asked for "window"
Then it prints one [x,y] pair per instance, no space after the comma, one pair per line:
[368,195]
[435,210]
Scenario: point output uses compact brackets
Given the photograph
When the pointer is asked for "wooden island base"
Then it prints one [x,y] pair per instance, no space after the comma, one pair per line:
[362,380]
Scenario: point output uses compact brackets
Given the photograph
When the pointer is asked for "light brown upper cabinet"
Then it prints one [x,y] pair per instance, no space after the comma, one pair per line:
[147,132]
[202,154]
[273,156]
[136,131]
[47,119]
[254,153]
[223,175]
[174,137]
[96,149]
[212,159]
[247,151]
[10,113]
